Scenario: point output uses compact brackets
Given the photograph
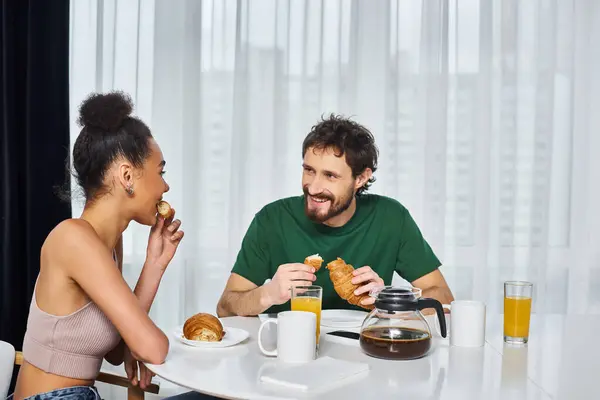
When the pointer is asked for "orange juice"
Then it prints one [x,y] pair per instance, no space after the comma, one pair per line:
[312,304]
[517,312]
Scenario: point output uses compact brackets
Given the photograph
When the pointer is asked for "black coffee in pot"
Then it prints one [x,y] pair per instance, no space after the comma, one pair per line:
[395,343]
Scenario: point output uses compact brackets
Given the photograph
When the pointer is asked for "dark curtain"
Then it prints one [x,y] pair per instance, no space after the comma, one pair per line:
[34,145]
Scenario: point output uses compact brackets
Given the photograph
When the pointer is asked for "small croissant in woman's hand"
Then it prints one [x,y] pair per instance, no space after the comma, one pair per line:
[164,239]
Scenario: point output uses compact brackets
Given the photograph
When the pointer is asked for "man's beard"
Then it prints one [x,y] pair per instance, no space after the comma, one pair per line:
[336,205]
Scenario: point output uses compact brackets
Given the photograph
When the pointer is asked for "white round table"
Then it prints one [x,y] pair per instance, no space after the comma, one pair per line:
[446,373]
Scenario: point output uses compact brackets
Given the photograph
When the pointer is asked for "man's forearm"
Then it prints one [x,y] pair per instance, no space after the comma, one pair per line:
[248,303]
[442,294]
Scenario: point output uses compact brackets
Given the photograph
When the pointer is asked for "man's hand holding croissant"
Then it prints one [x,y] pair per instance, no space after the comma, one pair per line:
[288,275]
[368,279]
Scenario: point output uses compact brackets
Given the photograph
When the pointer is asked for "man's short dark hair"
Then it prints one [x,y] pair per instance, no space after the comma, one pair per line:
[345,137]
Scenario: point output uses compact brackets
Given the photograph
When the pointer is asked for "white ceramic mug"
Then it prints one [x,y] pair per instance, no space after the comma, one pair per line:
[296,339]
[468,323]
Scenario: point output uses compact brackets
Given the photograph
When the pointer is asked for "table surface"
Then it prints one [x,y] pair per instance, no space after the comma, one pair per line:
[561,361]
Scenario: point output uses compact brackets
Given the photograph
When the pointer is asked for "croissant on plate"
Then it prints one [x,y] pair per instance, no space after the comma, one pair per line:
[340,274]
[314,261]
[204,327]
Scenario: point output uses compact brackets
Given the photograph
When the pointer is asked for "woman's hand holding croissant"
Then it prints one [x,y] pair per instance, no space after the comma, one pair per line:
[164,239]
[288,275]
[369,280]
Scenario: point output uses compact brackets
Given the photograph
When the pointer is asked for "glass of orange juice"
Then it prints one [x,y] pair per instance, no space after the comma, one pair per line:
[308,298]
[517,311]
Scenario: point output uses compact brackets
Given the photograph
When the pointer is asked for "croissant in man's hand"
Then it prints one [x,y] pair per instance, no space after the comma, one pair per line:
[341,275]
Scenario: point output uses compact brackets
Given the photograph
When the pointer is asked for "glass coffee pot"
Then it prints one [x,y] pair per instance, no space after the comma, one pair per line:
[396,329]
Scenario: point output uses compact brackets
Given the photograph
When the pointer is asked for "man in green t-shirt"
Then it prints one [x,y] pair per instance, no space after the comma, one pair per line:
[333,218]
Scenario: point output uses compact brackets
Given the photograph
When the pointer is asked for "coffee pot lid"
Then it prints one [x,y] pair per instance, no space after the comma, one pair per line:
[396,298]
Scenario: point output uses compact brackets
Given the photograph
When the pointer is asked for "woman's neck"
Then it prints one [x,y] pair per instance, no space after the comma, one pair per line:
[107,221]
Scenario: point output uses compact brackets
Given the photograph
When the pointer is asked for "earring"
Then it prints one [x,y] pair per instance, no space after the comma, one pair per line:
[129,190]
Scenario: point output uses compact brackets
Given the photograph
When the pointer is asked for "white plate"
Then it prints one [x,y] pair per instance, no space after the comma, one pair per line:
[232,337]
[342,318]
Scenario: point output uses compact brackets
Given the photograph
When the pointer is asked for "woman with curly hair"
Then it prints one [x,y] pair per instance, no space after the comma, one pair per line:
[82,310]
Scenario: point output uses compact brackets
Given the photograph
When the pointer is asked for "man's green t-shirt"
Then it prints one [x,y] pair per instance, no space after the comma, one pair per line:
[381,234]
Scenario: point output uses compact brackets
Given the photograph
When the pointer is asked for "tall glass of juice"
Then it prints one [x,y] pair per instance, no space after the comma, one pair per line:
[517,311]
[308,298]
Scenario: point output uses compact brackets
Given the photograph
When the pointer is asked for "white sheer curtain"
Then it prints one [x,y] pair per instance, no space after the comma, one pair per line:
[486,113]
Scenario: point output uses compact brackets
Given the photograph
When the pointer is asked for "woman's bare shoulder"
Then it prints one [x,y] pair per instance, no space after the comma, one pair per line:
[73,233]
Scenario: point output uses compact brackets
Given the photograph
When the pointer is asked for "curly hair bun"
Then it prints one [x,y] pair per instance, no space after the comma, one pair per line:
[105,112]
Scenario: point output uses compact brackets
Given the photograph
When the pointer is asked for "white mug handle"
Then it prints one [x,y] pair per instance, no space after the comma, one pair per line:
[260,346]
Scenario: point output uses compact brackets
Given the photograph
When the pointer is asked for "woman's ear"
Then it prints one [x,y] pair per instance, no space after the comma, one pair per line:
[363,178]
[125,171]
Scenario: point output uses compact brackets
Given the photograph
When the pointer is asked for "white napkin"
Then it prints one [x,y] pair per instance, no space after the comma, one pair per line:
[318,374]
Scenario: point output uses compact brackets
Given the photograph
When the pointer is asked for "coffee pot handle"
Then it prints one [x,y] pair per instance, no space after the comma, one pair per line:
[433,303]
